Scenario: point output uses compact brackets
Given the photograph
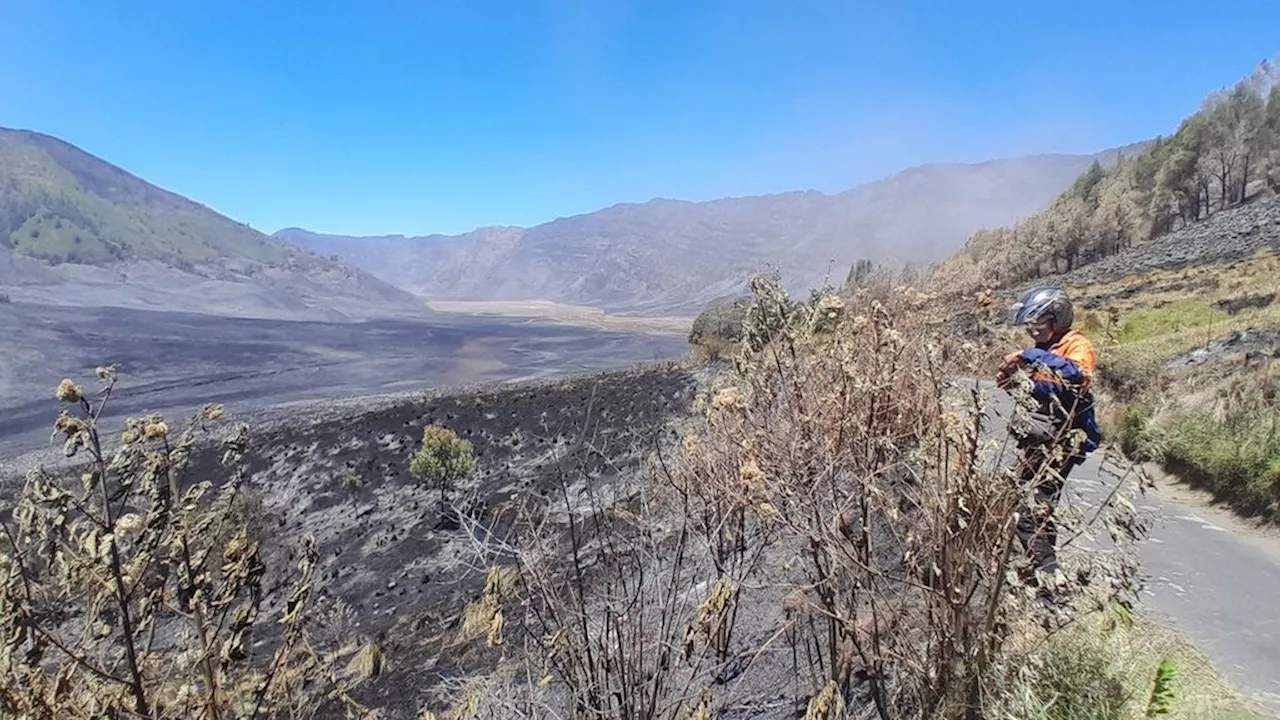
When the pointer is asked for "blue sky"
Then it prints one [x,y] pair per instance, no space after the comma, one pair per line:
[439,116]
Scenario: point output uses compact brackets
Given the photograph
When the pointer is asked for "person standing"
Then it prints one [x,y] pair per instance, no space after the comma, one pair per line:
[1059,428]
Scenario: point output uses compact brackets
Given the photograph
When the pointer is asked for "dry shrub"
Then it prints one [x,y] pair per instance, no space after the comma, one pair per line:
[835,440]
[712,349]
[836,472]
[136,590]
[588,602]
[845,444]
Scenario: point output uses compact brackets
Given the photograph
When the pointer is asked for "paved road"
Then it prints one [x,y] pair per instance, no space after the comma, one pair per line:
[1220,588]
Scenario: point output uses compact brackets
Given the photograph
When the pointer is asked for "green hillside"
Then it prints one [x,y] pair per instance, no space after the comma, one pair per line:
[60,204]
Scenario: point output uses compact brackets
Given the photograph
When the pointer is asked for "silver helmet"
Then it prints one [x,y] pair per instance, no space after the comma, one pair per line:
[1043,302]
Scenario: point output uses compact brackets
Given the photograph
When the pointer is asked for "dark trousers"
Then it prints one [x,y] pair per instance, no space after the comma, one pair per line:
[1043,474]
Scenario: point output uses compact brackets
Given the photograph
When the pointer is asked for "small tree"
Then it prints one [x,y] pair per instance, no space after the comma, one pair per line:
[443,460]
[720,324]
[858,273]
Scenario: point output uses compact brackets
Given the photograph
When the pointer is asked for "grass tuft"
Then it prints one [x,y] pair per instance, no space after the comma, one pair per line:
[1177,316]
[1100,668]
[1237,459]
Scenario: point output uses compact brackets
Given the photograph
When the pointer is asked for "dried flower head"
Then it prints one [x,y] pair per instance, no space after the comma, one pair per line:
[752,478]
[68,391]
[68,424]
[751,473]
[730,397]
[128,524]
[831,302]
[155,430]
[793,601]
[827,313]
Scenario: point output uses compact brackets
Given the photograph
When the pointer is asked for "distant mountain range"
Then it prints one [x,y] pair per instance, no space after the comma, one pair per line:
[673,257]
[76,230]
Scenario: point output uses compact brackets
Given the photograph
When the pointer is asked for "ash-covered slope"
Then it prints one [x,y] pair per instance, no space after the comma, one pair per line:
[1227,235]
[340,471]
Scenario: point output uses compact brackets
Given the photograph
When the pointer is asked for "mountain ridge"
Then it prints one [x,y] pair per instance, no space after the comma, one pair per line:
[74,228]
[658,199]
[94,224]
[673,256]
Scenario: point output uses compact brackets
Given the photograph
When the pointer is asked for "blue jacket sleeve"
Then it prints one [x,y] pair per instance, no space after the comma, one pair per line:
[1062,366]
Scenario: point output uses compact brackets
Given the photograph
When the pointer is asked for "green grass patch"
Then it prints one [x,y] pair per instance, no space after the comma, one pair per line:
[1237,459]
[49,237]
[1175,317]
[1131,429]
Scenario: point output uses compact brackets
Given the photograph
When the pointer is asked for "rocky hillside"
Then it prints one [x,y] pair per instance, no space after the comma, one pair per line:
[1223,156]
[1226,236]
[673,257]
[1161,297]
[76,230]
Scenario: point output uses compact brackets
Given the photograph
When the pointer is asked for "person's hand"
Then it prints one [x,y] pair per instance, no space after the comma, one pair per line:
[1007,366]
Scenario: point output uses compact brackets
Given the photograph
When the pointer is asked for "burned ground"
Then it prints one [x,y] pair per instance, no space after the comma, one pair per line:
[385,553]
[327,458]
[173,362]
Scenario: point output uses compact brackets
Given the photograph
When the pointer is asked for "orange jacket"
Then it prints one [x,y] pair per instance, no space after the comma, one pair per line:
[1072,359]
[1066,369]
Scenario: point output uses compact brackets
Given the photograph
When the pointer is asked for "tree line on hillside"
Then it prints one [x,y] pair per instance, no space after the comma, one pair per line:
[1224,154]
